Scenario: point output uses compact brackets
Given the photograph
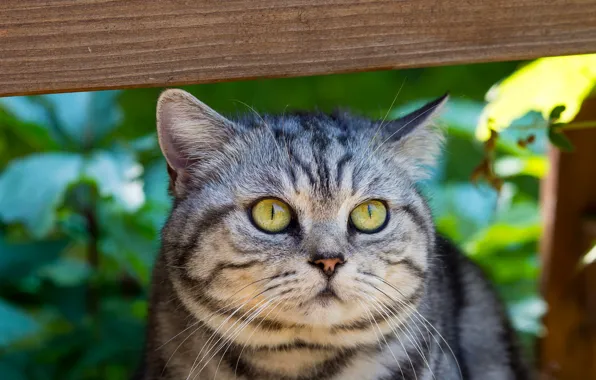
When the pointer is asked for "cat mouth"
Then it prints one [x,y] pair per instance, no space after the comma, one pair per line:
[326,295]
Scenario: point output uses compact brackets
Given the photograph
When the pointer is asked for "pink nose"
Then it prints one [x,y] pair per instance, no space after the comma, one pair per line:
[328,265]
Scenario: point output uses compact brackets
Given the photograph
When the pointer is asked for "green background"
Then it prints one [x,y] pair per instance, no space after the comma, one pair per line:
[83,197]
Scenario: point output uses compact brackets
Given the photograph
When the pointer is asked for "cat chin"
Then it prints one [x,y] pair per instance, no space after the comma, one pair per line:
[323,312]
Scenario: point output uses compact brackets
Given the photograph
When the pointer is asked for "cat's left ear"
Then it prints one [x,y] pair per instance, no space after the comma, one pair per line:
[416,139]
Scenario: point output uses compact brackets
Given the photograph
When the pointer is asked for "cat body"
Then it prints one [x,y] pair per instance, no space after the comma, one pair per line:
[298,247]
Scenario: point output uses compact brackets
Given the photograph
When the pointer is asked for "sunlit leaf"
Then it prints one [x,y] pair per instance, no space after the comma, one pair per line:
[501,236]
[508,268]
[539,86]
[15,324]
[589,258]
[33,187]
[508,166]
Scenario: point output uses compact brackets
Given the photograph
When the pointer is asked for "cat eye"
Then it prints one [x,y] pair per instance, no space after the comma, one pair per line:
[271,215]
[369,217]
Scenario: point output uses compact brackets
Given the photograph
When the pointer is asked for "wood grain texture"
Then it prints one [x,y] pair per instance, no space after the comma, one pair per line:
[568,350]
[69,45]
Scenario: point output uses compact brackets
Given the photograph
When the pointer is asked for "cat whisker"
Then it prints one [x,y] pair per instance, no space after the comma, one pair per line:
[397,336]
[414,314]
[387,113]
[215,312]
[373,304]
[244,321]
[421,316]
[198,322]
[405,125]
[222,323]
[239,330]
[268,129]
[411,317]
[196,363]
[371,324]
[410,335]
[383,336]
[256,328]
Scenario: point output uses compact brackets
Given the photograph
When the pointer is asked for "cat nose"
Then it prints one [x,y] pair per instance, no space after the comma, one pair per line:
[327,262]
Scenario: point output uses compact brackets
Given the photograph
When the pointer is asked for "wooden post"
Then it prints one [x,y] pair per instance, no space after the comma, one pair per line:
[568,351]
[65,45]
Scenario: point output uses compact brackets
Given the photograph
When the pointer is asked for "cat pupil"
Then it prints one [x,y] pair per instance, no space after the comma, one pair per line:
[369,211]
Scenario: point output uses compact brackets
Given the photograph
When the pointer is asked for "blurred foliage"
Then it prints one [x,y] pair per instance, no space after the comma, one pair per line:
[83,197]
[555,87]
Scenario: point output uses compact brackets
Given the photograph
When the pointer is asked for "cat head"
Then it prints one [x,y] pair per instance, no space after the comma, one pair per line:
[314,216]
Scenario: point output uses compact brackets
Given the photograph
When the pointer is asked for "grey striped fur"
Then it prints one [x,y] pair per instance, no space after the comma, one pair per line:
[229,301]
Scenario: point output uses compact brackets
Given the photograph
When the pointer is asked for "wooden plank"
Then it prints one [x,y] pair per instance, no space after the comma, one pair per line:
[569,206]
[69,45]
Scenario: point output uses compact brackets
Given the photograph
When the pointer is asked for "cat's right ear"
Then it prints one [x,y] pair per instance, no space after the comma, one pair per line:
[188,131]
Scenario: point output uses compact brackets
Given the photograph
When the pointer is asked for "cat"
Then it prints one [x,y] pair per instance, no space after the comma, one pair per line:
[299,247]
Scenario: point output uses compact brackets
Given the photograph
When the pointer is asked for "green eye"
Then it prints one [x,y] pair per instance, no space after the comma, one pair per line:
[369,216]
[271,215]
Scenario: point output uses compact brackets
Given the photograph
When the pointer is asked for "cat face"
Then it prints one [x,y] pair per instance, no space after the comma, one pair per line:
[303,220]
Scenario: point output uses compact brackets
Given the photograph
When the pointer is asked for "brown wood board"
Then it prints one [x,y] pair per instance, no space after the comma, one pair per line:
[71,45]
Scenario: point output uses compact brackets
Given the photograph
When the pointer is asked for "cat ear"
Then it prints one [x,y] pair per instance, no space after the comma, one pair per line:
[188,130]
[416,139]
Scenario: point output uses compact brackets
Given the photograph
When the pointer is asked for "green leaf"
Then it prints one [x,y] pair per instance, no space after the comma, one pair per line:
[155,183]
[147,143]
[129,239]
[11,372]
[19,259]
[26,110]
[463,209]
[117,175]
[526,315]
[103,114]
[83,117]
[66,272]
[32,188]
[15,324]
[559,140]
[36,136]
[556,113]
[460,116]
[501,236]
[542,86]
